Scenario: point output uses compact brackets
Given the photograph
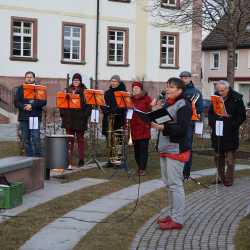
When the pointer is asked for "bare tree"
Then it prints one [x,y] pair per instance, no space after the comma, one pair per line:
[230,18]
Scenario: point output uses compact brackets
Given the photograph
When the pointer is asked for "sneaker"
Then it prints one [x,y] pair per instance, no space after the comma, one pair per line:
[216,182]
[70,167]
[164,220]
[170,225]
[141,173]
[81,163]
[109,165]
[227,184]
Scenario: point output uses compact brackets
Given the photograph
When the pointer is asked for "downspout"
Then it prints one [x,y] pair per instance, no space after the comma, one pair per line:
[97,43]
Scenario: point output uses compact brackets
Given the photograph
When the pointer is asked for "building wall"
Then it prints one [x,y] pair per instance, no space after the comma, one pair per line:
[144,42]
[242,73]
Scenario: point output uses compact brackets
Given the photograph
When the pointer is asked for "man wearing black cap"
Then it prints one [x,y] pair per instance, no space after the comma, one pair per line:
[111,111]
[190,93]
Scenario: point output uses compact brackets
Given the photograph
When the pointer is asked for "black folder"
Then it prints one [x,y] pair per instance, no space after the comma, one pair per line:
[159,116]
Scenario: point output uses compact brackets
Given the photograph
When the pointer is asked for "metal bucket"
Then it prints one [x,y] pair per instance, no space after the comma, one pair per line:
[56,151]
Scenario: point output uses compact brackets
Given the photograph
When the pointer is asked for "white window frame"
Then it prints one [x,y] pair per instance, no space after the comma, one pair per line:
[169,46]
[116,42]
[237,52]
[167,4]
[22,35]
[212,54]
[71,38]
[248,59]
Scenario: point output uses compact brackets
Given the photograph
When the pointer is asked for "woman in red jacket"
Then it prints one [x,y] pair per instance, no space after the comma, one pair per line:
[140,130]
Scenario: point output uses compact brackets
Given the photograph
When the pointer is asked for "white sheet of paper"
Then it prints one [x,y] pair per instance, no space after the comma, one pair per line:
[95,116]
[198,128]
[219,128]
[130,114]
[163,119]
[33,122]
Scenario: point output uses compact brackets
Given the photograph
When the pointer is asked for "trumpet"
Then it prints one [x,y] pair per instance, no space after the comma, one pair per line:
[115,142]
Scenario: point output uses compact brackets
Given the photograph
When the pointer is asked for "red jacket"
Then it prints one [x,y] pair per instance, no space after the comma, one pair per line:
[139,128]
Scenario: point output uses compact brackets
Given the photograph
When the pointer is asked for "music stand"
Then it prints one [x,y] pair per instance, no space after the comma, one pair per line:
[95,98]
[123,101]
[220,110]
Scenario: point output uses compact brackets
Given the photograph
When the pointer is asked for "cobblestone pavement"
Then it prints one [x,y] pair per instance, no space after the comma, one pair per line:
[212,217]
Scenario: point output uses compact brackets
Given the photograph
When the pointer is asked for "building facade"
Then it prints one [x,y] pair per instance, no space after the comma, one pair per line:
[56,38]
[214,63]
[215,68]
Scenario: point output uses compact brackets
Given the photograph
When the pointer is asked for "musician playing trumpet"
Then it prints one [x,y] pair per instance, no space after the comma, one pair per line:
[140,130]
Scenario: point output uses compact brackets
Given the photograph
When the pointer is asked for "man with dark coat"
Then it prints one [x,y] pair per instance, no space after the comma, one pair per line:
[189,93]
[226,145]
[29,109]
[111,111]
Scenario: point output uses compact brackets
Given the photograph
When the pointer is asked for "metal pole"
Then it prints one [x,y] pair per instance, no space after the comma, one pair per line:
[68,78]
[97,42]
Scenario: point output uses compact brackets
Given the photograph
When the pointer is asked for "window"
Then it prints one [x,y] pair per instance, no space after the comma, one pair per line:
[73,43]
[23,39]
[215,60]
[169,50]
[170,3]
[117,46]
[122,1]
[249,58]
[237,58]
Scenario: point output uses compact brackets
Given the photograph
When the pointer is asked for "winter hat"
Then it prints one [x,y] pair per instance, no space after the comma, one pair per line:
[138,84]
[185,74]
[77,76]
[115,77]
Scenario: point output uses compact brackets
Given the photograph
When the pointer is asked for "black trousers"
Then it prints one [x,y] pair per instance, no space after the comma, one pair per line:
[141,153]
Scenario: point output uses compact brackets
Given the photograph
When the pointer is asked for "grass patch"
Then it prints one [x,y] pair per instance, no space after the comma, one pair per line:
[242,241]
[14,232]
[9,149]
[120,235]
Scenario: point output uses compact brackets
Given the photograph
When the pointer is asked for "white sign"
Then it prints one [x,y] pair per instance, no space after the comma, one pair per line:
[95,116]
[198,128]
[33,122]
[219,128]
[130,114]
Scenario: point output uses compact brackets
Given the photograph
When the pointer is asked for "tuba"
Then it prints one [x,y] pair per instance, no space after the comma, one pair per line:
[115,142]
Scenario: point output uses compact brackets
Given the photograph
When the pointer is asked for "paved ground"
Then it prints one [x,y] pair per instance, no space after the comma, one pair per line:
[212,216]
[52,189]
[65,233]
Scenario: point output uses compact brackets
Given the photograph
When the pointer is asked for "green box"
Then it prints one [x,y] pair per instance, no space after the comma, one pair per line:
[11,196]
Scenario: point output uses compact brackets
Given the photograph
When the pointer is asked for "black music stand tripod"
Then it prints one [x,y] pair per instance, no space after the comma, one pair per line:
[93,101]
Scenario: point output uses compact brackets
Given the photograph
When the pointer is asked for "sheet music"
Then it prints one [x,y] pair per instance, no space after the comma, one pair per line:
[163,119]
